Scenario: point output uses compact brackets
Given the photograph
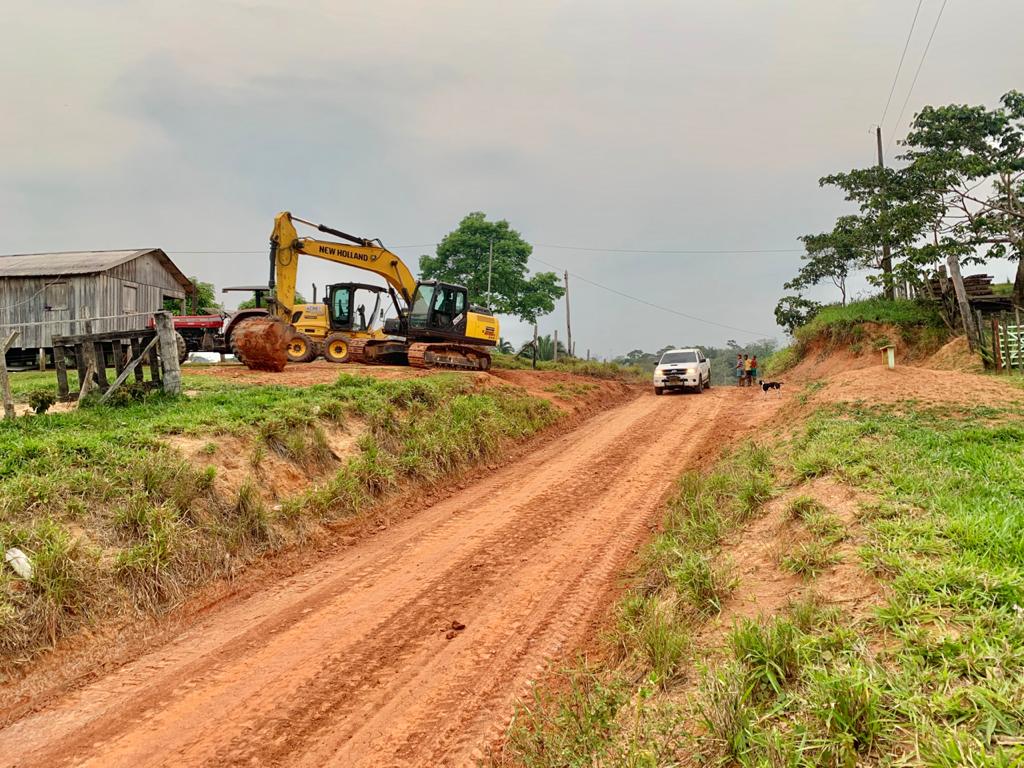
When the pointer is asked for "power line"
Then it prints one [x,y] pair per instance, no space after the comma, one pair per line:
[920,64]
[899,66]
[684,251]
[656,306]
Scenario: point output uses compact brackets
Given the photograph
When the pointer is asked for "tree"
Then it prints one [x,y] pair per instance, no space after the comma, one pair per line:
[895,211]
[831,256]
[970,163]
[462,258]
[251,303]
[793,311]
[545,349]
[505,346]
[203,301]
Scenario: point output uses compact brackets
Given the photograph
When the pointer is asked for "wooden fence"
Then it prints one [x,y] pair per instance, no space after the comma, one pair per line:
[128,352]
[1002,341]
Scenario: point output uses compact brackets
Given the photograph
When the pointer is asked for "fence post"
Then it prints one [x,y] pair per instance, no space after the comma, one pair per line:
[1017,339]
[973,333]
[997,347]
[168,353]
[5,381]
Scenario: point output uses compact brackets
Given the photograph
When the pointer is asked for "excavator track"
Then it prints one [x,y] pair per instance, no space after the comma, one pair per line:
[461,357]
[378,352]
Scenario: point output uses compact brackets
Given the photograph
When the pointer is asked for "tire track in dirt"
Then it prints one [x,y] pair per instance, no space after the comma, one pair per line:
[347,663]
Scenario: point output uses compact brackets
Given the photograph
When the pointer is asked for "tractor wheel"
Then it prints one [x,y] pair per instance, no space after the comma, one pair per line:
[301,349]
[336,349]
[179,342]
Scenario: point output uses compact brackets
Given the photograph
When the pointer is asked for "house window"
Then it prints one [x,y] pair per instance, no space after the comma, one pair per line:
[128,294]
[56,296]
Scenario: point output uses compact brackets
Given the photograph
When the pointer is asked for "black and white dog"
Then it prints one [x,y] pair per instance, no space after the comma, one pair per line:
[766,385]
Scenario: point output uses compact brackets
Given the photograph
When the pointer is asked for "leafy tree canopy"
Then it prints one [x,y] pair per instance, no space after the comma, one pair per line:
[462,258]
[251,303]
[793,311]
[202,302]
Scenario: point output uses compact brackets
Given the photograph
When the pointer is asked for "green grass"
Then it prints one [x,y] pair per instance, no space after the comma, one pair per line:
[114,517]
[593,368]
[932,676]
[837,320]
[781,361]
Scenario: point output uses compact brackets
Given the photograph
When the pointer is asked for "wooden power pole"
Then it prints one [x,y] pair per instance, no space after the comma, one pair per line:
[568,322]
[886,254]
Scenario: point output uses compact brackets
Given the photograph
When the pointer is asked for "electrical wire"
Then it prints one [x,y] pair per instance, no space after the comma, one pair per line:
[692,251]
[681,251]
[899,66]
[760,334]
[920,64]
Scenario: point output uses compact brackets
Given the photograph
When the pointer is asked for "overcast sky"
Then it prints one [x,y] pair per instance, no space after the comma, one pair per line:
[646,125]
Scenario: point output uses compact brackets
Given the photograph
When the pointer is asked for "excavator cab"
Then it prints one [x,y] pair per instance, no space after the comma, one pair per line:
[438,309]
[354,306]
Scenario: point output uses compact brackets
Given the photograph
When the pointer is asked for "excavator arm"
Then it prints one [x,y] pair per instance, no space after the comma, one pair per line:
[286,246]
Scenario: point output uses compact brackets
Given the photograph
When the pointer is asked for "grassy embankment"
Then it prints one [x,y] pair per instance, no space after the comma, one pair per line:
[114,519]
[918,327]
[593,368]
[932,675]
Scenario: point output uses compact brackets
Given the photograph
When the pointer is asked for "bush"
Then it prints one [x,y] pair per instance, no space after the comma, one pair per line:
[40,400]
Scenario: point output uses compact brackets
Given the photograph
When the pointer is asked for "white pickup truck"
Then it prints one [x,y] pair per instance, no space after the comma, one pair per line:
[682,369]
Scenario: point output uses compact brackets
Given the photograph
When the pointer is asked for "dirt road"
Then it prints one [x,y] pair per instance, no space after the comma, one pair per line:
[355,662]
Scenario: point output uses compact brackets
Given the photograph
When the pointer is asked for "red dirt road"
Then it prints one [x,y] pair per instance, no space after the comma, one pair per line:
[349,664]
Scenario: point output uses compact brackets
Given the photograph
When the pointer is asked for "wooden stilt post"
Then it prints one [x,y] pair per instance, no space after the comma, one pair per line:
[60,365]
[137,352]
[42,359]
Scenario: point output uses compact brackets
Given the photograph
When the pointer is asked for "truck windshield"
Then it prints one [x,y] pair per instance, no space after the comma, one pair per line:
[678,357]
[420,312]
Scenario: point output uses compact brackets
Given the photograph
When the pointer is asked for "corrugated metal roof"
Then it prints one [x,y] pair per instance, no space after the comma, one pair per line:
[81,263]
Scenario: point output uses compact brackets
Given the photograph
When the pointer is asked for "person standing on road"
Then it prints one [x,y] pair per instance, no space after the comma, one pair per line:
[746,371]
[739,370]
[752,376]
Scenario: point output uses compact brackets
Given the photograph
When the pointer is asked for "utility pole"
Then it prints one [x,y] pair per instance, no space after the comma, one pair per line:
[886,254]
[568,323]
[490,263]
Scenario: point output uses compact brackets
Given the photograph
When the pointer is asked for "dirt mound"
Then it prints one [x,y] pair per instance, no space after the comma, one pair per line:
[878,384]
[955,355]
[858,348]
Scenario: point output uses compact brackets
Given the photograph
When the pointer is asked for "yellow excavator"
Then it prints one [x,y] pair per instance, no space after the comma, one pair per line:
[436,326]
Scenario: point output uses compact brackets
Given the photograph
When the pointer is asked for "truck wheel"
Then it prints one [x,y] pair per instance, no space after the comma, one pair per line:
[707,384]
[659,390]
[301,349]
[700,385]
[336,348]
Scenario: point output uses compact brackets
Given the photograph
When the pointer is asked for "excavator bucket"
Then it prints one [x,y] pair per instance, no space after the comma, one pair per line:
[261,343]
